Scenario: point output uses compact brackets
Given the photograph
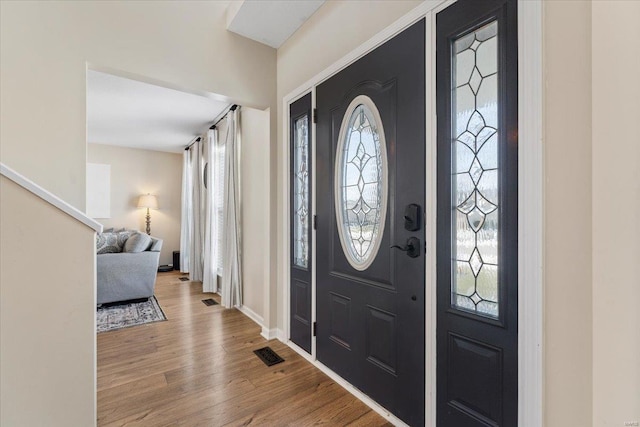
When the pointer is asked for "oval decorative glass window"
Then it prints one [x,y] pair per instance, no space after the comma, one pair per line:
[361,182]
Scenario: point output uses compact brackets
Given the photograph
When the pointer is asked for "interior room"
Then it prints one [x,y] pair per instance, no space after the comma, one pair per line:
[265,212]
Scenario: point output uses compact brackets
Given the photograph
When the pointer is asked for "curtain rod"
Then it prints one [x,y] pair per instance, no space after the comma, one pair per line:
[194,141]
[222,116]
[232,108]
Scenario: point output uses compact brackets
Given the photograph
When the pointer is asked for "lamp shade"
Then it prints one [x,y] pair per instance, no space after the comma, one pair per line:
[148,201]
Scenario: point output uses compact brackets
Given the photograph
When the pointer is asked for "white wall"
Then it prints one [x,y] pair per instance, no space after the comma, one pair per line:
[616,212]
[135,172]
[255,199]
[47,331]
[44,50]
[567,142]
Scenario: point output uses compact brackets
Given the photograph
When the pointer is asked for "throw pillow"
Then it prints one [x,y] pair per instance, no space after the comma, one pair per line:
[107,243]
[123,235]
[137,242]
[112,242]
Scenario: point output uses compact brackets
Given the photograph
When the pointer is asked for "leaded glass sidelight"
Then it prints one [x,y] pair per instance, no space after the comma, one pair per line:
[361,182]
[301,192]
[475,172]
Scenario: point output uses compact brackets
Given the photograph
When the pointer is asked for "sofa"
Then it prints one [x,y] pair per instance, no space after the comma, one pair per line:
[127,275]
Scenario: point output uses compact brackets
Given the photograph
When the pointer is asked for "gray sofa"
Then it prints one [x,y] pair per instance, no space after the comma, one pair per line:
[125,275]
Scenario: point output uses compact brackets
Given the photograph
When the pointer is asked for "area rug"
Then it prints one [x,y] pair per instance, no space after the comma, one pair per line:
[111,317]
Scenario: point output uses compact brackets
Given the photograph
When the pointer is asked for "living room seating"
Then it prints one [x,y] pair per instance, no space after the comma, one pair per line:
[130,273]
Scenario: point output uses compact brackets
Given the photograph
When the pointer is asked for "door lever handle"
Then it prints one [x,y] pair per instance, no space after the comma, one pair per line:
[412,248]
[402,248]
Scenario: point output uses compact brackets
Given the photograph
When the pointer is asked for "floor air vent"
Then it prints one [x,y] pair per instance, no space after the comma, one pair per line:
[268,356]
[184,279]
[209,301]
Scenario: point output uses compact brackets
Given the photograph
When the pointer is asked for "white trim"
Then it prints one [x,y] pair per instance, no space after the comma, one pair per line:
[270,334]
[301,351]
[267,236]
[338,203]
[48,197]
[285,254]
[266,333]
[530,215]
[251,314]
[347,386]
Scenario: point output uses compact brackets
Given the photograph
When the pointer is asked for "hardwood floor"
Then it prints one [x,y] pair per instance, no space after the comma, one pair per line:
[198,369]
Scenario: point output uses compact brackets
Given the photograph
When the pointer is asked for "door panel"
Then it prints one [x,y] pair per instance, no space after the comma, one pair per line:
[477,198]
[300,231]
[370,307]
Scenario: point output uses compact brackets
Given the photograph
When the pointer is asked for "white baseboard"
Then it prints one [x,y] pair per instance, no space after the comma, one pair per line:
[266,333]
[347,386]
[251,315]
[270,334]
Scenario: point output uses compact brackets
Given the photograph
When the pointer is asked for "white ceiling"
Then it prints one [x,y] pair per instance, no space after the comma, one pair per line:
[270,22]
[134,114]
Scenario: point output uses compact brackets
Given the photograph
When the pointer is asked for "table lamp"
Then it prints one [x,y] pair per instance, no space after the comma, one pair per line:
[148,201]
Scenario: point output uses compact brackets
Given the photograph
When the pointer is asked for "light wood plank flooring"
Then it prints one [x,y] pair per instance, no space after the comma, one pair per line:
[198,369]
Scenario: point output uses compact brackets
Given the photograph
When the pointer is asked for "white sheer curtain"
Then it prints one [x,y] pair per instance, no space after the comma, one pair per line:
[211,234]
[231,272]
[218,175]
[185,225]
[196,255]
[211,248]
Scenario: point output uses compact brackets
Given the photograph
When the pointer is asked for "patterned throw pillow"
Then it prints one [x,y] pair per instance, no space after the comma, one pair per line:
[123,236]
[109,243]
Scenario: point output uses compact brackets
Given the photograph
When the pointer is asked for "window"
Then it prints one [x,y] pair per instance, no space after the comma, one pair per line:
[475,172]
[361,182]
[301,193]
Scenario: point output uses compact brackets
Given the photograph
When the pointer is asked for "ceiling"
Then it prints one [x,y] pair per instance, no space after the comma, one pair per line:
[134,114]
[131,113]
[269,22]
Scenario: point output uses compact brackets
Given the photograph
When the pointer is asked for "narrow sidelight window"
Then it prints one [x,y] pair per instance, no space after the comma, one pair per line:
[301,192]
[474,181]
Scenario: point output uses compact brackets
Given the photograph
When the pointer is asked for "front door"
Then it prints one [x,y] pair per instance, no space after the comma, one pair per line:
[477,197]
[370,227]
